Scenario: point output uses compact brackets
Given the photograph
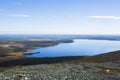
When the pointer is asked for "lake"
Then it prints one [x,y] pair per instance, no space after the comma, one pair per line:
[80,47]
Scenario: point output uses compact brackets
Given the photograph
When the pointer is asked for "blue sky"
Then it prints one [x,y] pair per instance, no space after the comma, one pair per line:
[59,17]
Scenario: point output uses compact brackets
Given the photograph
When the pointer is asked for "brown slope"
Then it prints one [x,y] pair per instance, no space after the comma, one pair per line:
[106,57]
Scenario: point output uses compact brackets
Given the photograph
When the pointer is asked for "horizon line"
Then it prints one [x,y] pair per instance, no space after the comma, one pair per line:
[54,34]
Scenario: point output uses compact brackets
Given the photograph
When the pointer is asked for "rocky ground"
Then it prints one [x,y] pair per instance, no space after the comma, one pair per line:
[99,67]
[63,71]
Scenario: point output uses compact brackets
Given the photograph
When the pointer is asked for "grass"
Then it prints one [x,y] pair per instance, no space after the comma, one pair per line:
[111,71]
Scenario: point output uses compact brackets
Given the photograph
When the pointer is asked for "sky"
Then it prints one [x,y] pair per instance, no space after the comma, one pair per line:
[60,17]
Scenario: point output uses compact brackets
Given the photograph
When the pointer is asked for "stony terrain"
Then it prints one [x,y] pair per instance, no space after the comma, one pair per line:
[99,67]
[63,71]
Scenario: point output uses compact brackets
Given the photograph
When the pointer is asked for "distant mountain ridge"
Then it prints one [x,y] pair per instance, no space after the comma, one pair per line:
[57,36]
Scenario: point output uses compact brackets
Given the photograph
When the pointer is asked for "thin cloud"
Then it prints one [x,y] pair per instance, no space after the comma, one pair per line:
[105,17]
[16,15]
[2,9]
[65,16]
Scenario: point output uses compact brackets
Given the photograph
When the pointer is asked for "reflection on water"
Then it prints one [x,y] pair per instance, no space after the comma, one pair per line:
[79,47]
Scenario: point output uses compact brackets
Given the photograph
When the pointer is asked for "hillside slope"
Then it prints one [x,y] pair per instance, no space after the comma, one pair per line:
[106,57]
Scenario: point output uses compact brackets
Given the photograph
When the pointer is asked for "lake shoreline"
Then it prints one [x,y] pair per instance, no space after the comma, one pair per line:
[12,50]
[79,47]
[61,68]
[35,61]
[20,55]
[100,58]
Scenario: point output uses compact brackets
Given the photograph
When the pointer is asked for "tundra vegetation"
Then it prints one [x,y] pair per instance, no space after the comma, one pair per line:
[15,66]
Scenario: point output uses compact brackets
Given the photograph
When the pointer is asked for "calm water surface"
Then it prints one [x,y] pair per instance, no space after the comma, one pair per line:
[79,47]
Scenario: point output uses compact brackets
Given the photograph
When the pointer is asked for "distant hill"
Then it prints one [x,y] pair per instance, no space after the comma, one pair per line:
[106,57]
